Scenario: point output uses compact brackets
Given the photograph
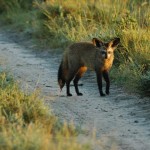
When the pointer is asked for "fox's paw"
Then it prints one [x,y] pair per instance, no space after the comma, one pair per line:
[69,94]
[102,94]
[79,94]
[107,92]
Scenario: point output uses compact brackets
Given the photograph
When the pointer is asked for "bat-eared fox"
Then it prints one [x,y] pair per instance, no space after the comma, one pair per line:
[95,55]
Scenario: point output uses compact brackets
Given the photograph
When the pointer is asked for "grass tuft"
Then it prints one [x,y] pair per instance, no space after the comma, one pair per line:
[25,123]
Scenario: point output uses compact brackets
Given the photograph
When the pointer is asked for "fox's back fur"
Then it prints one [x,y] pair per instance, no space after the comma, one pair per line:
[84,54]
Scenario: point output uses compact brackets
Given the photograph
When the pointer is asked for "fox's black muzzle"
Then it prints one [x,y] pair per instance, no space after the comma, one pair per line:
[104,54]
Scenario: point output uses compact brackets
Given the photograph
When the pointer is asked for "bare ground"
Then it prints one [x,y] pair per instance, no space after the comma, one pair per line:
[119,121]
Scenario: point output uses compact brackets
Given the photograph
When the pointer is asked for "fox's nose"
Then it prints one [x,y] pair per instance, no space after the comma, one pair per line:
[104,54]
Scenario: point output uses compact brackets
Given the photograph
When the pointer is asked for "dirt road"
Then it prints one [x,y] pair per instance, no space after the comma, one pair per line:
[119,121]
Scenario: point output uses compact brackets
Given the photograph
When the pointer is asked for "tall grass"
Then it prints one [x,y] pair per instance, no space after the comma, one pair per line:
[25,123]
[57,23]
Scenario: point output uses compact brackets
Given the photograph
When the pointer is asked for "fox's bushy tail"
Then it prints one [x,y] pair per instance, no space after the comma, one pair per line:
[61,79]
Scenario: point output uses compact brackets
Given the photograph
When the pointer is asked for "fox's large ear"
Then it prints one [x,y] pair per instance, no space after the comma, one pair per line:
[113,43]
[97,42]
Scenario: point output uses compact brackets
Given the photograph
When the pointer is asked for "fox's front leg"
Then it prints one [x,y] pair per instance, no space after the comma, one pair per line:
[99,82]
[106,78]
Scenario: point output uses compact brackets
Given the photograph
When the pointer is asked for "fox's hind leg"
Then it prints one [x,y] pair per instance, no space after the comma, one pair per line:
[106,78]
[68,86]
[79,74]
[69,78]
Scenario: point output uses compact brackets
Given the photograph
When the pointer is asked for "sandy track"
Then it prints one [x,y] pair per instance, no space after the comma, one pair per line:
[121,121]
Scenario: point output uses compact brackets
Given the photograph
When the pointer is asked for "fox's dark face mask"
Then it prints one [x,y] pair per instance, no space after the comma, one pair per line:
[106,49]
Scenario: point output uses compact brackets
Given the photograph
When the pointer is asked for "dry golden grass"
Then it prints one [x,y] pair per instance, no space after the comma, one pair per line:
[25,123]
